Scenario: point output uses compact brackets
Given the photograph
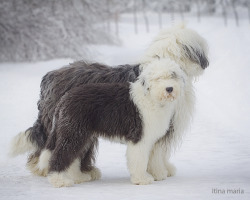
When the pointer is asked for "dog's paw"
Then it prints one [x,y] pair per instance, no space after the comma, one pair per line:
[59,180]
[32,166]
[171,169]
[159,175]
[95,174]
[144,179]
[84,177]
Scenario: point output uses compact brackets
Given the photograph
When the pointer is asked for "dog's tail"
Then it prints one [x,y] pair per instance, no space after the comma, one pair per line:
[21,144]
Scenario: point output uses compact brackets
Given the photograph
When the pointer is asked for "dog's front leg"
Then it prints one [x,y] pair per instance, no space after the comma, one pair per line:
[170,168]
[157,160]
[137,158]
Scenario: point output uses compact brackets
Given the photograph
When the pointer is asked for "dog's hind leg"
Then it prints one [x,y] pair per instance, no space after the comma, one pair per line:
[88,161]
[75,173]
[34,165]
[64,165]
[82,169]
[44,156]
[38,137]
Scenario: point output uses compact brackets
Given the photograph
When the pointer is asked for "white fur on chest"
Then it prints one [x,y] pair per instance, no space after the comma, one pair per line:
[155,117]
[182,117]
[156,121]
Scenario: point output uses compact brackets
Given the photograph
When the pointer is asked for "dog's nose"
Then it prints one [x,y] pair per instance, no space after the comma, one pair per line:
[169,89]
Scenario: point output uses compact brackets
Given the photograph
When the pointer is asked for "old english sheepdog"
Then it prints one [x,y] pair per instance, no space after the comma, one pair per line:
[182,45]
[137,114]
[190,51]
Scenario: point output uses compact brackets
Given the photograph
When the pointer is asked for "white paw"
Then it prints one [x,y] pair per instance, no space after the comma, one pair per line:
[32,165]
[44,158]
[95,174]
[60,180]
[159,175]
[171,169]
[84,177]
[144,179]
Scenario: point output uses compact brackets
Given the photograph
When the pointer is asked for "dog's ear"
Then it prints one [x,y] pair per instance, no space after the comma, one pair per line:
[196,55]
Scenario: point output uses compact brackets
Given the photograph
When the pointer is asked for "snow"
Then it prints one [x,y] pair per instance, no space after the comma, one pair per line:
[214,154]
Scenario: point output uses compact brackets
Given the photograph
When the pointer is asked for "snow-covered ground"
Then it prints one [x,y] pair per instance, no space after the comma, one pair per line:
[215,154]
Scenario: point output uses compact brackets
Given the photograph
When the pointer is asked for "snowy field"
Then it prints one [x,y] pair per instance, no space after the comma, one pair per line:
[215,154]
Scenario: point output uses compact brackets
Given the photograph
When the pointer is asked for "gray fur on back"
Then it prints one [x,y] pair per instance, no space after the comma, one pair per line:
[56,83]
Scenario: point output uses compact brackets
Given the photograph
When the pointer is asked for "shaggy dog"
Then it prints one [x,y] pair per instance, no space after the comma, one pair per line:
[137,114]
[190,52]
[183,46]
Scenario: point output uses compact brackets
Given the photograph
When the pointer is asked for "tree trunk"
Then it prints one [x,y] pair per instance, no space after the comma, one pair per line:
[172,13]
[145,15]
[198,10]
[235,12]
[117,24]
[160,17]
[135,17]
[181,12]
[224,11]
[108,15]
[248,7]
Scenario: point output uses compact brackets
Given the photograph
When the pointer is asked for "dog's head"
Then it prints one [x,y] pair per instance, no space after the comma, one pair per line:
[163,80]
[186,47]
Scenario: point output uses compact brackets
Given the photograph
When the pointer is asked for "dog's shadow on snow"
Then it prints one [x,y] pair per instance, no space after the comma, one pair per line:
[112,180]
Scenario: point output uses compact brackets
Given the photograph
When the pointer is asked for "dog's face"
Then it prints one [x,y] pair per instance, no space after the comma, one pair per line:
[163,80]
[187,48]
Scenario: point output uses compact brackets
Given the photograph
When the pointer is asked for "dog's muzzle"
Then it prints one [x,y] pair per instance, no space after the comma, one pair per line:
[170,94]
[169,89]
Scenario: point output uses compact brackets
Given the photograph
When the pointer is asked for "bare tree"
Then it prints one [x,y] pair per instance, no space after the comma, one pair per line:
[197,2]
[41,30]
[233,4]
[159,10]
[108,15]
[248,8]
[172,11]
[135,16]
[144,6]
[180,5]
[211,6]
[116,24]
[223,4]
